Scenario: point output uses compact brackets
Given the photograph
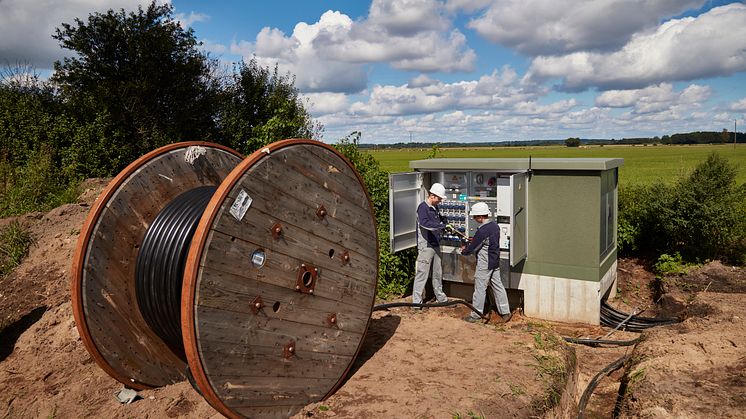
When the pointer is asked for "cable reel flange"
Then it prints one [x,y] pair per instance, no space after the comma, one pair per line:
[103,279]
[265,274]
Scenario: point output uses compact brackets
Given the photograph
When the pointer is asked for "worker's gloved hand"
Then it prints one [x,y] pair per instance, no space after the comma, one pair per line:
[450,227]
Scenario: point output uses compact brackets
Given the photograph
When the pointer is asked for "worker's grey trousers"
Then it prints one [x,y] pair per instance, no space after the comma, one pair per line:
[483,277]
[426,257]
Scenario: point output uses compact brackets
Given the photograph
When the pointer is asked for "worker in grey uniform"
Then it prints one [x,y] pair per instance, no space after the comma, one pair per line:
[486,245]
[430,226]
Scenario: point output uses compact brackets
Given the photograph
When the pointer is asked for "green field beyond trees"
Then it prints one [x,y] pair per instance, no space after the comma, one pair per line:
[642,164]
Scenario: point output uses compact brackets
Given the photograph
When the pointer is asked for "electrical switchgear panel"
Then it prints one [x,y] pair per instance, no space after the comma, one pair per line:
[463,190]
[503,192]
[455,213]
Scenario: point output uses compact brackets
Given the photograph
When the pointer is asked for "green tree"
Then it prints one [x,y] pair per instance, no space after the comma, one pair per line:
[572,142]
[260,106]
[139,74]
[395,271]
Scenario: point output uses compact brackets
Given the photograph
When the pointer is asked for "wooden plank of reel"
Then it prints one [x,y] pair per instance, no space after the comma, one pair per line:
[279,281]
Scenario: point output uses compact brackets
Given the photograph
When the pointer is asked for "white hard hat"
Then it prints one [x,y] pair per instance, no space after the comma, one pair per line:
[480,208]
[438,189]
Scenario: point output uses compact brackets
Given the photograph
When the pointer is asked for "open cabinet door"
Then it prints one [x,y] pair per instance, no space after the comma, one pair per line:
[518,217]
[405,194]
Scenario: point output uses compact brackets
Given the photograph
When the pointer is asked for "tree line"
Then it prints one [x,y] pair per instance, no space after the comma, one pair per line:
[696,137]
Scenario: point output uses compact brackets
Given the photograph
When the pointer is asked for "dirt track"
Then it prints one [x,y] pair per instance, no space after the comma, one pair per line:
[428,364]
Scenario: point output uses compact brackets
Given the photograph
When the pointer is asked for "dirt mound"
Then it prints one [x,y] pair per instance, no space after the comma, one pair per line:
[636,287]
[42,279]
[715,277]
[45,370]
[696,368]
[49,374]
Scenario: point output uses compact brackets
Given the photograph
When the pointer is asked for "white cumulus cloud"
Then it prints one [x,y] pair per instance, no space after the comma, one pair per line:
[499,90]
[186,20]
[329,55]
[709,45]
[551,27]
[656,98]
[26,27]
[738,106]
[326,103]
[407,17]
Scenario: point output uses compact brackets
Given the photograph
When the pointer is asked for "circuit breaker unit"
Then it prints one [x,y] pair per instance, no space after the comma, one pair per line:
[557,220]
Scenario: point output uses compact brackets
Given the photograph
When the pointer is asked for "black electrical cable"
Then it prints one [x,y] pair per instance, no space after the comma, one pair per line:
[594,383]
[425,305]
[159,269]
[641,319]
[612,317]
[599,342]
[630,325]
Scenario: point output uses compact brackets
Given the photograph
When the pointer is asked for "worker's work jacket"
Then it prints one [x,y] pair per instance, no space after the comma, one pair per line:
[486,245]
[429,225]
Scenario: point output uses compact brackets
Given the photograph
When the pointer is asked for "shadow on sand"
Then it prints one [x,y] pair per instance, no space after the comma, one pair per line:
[379,332]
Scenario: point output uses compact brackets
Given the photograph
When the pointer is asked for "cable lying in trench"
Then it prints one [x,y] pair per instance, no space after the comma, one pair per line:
[594,383]
[426,305]
[602,342]
[612,317]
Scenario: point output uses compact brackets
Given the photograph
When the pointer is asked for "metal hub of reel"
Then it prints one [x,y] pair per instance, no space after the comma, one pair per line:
[258,274]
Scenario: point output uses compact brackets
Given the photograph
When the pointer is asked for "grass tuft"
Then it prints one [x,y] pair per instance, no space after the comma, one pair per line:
[15,241]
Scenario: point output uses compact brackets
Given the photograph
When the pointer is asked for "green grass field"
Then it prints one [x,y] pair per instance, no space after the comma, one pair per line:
[642,164]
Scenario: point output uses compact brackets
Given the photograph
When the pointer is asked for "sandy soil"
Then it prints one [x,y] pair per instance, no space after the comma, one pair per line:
[427,364]
[698,367]
[414,364]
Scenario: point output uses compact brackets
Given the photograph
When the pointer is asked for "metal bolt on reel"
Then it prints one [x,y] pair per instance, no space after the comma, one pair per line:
[255,276]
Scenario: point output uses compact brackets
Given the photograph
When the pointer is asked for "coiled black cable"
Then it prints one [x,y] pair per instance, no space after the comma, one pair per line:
[160,264]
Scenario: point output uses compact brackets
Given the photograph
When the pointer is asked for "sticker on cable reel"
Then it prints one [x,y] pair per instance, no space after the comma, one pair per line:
[241,205]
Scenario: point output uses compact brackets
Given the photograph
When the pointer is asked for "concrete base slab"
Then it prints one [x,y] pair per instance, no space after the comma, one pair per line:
[564,299]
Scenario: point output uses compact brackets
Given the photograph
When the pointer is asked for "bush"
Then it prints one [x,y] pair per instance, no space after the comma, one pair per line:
[395,271]
[36,185]
[14,244]
[668,264]
[701,216]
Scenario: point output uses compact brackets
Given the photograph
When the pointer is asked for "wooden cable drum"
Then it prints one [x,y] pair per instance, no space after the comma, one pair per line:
[105,306]
[278,283]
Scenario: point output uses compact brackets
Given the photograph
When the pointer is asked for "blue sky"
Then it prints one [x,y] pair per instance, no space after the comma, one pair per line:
[465,70]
